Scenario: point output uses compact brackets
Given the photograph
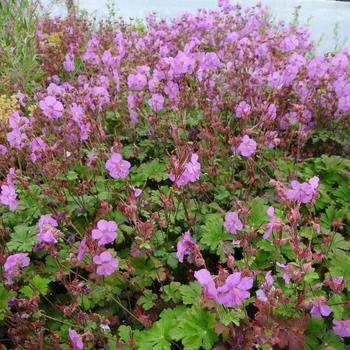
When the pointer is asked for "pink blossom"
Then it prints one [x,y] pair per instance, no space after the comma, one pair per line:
[52,108]
[232,222]
[38,146]
[342,327]
[13,264]
[271,215]
[16,139]
[75,338]
[231,293]
[8,196]
[118,167]
[303,192]
[47,229]
[82,249]
[191,172]
[106,263]
[156,102]
[247,147]
[137,81]
[242,110]
[184,246]
[68,63]
[106,232]
[320,309]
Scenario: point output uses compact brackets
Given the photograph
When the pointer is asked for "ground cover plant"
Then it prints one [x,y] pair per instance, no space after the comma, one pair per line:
[176,185]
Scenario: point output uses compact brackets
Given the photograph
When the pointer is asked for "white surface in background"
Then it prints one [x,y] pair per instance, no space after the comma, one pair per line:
[324,15]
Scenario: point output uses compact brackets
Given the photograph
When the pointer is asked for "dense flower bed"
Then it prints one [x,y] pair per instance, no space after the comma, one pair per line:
[166,190]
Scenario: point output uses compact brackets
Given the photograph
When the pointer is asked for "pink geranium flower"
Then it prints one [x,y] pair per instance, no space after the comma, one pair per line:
[233,292]
[342,327]
[303,192]
[47,229]
[191,172]
[184,246]
[13,264]
[52,108]
[118,167]
[106,264]
[105,232]
[232,222]
[156,102]
[75,338]
[247,147]
[8,196]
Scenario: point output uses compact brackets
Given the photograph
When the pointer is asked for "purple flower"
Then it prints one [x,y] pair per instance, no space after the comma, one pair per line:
[13,264]
[183,63]
[47,229]
[68,62]
[117,167]
[81,250]
[320,309]
[234,291]
[16,139]
[52,108]
[8,196]
[105,232]
[75,338]
[205,279]
[342,327]
[243,109]
[271,215]
[247,147]
[232,222]
[191,172]
[137,192]
[184,246]
[156,102]
[303,192]
[3,150]
[231,293]
[39,147]
[106,263]
[137,81]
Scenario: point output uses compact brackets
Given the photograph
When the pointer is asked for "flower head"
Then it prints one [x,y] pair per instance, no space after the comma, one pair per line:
[184,245]
[106,232]
[8,196]
[118,167]
[231,293]
[156,102]
[13,264]
[75,338]
[47,229]
[342,327]
[247,147]
[106,264]
[303,192]
[232,222]
[52,108]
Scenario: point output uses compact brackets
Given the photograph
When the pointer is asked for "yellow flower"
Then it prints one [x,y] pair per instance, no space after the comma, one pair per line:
[8,105]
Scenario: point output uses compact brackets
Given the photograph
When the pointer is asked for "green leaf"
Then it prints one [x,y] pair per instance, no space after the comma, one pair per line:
[22,239]
[339,265]
[41,284]
[213,232]
[195,329]
[147,300]
[5,295]
[156,338]
[172,292]
[27,292]
[258,213]
[190,293]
